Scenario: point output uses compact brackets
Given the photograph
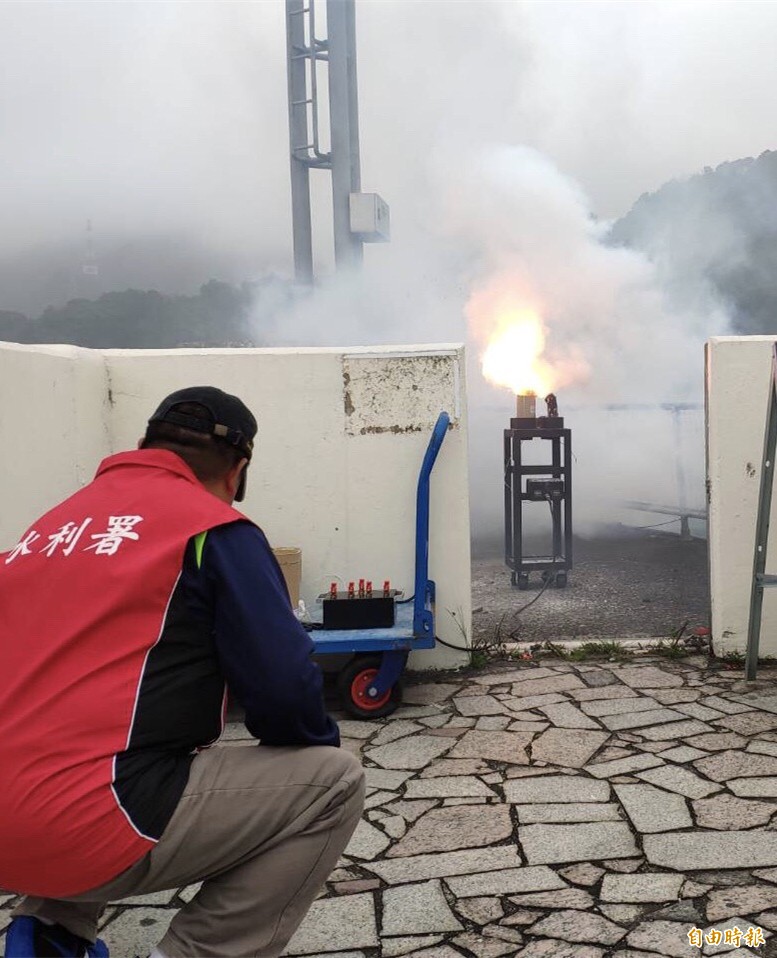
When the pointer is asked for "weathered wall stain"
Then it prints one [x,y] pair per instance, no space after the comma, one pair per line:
[396,430]
[347,401]
[399,394]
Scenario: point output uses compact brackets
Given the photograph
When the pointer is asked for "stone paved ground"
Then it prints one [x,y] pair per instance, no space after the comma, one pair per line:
[547,811]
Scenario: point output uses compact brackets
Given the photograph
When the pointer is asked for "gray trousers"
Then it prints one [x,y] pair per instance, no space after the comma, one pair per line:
[261,827]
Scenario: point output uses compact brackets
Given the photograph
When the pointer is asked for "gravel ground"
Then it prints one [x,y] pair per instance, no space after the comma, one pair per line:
[621,587]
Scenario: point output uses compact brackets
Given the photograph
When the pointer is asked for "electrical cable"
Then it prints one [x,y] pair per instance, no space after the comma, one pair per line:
[528,605]
[523,608]
[449,645]
[658,525]
[548,579]
[546,584]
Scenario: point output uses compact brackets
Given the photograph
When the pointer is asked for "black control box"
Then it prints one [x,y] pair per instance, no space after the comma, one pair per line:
[359,612]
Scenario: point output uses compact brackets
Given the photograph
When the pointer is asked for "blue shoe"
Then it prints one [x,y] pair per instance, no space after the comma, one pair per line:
[27,937]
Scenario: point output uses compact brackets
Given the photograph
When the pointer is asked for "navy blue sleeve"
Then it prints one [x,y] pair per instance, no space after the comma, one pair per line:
[263,649]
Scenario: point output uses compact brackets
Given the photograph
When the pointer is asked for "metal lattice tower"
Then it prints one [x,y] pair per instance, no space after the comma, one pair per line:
[338,51]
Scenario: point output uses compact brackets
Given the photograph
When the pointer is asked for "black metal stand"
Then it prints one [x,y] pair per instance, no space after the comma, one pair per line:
[555,489]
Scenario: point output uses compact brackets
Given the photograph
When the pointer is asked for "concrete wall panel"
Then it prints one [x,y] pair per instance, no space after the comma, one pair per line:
[54,429]
[345,495]
[738,372]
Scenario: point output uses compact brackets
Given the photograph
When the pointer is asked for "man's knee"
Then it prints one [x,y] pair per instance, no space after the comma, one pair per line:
[345,774]
[345,768]
[354,772]
[351,798]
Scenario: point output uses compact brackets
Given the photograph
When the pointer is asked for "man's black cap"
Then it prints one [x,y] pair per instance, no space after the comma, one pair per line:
[230,419]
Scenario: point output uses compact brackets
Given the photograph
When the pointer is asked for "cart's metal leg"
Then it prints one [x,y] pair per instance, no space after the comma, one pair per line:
[392,665]
[422,621]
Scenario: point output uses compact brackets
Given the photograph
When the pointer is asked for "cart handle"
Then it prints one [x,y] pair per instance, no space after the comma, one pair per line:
[423,619]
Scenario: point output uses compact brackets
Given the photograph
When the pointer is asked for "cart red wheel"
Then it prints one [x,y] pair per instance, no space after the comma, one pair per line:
[353,682]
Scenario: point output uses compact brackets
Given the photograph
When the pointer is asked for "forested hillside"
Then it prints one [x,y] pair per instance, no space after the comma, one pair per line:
[716,230]
[218,315]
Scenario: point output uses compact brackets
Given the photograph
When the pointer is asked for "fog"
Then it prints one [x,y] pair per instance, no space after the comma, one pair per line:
[171,117]
[505,136]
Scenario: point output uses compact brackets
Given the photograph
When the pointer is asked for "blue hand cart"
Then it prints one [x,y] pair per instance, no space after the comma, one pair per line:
[369,685]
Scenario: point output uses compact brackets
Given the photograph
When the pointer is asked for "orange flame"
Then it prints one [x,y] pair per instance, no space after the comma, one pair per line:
[507,319]
[513,357]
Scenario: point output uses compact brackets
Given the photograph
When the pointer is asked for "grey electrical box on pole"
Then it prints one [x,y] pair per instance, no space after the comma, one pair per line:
[358,217]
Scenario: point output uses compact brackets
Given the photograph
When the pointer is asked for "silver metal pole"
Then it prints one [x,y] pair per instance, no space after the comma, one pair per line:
[682,498]
[298,140]
[344,125]
[760,579]
[353,97]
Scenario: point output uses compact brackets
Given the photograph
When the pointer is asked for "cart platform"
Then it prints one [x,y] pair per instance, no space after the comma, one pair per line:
[399,638]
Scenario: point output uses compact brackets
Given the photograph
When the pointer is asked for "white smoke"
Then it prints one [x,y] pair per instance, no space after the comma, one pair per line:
[528,225]
[506,217]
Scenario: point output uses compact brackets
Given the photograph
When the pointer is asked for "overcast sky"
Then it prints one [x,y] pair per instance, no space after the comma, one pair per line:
[171,117]
[494,130]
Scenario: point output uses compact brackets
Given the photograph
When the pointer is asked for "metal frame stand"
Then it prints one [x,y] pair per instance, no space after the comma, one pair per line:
[560,467]
[761,580]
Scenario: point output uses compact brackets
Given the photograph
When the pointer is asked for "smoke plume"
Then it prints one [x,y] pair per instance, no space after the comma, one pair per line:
[512,232]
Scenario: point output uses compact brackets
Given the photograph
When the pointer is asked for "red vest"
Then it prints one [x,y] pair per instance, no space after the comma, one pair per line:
[83,598]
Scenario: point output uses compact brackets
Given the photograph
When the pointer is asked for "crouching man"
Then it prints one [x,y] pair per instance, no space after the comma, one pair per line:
[125,612]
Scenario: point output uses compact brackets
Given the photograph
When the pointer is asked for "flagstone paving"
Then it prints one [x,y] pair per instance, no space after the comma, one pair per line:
[652,809]
[559,811]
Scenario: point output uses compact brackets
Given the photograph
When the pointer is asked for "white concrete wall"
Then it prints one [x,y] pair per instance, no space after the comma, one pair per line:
[737,380]
[341,439]
[54,429]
